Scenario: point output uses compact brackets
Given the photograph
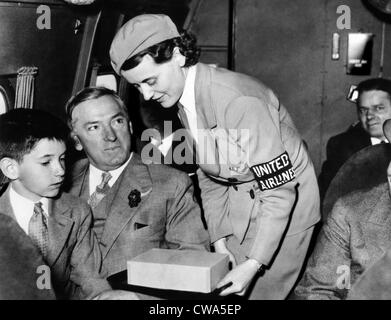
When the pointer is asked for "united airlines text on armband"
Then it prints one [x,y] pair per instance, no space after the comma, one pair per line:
[274,173]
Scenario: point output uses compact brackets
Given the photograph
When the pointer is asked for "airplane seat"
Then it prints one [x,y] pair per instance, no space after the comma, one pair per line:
[363,170]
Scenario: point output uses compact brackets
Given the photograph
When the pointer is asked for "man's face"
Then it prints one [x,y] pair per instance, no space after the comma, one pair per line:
[103,131]
[41,172]
[374,107]
[163,82]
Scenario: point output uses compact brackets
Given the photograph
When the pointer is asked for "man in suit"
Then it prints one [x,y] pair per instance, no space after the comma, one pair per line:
[373,108]
[258,184]
[352,251]
[139,206]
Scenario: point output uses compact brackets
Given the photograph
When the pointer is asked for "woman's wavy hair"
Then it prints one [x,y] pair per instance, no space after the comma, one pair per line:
[163,51]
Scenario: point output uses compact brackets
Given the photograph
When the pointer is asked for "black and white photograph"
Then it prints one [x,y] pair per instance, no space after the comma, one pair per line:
[195,156]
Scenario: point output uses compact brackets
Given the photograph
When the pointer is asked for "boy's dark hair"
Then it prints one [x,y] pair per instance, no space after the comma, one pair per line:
[22,129]
[162,52]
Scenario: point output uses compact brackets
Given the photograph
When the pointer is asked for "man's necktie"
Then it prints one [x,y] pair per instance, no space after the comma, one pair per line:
[38,229]
[101,190]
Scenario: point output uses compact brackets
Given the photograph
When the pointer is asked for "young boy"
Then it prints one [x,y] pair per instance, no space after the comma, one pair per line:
[32,155]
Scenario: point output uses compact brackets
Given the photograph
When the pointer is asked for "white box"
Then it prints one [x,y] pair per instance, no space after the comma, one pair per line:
[185,270]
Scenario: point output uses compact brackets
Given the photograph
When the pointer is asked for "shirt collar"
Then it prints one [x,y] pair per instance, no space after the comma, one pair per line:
[23,208]
[377,141]
[22,201]
[96,173]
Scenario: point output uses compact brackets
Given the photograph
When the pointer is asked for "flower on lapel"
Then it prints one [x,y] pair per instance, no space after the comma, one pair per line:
[134,198]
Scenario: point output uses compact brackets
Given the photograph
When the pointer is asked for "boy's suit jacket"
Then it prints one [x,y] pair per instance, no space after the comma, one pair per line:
[245,125]
[73,256]
[19,264]
[167,215]
[354,239]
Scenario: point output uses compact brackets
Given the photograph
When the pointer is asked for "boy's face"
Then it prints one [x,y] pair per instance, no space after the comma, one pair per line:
[41,172]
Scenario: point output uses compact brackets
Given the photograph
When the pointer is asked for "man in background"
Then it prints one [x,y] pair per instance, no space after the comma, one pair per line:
[373,108]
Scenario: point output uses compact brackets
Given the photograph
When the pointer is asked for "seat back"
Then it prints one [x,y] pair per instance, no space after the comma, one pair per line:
[363,170]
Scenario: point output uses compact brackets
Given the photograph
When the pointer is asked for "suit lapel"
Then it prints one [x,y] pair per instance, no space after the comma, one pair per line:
[203,101]
[59,228]
[135,177]
[80,181]
[59,225]
[362,138]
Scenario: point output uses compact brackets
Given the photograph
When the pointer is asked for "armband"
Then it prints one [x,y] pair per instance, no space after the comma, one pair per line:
[274,173]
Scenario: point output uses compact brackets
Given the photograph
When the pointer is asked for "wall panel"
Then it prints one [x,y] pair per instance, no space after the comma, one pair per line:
[54,51]
[287,45]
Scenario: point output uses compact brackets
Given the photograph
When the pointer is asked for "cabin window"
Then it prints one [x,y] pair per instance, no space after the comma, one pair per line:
[108,81]
[3,101]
